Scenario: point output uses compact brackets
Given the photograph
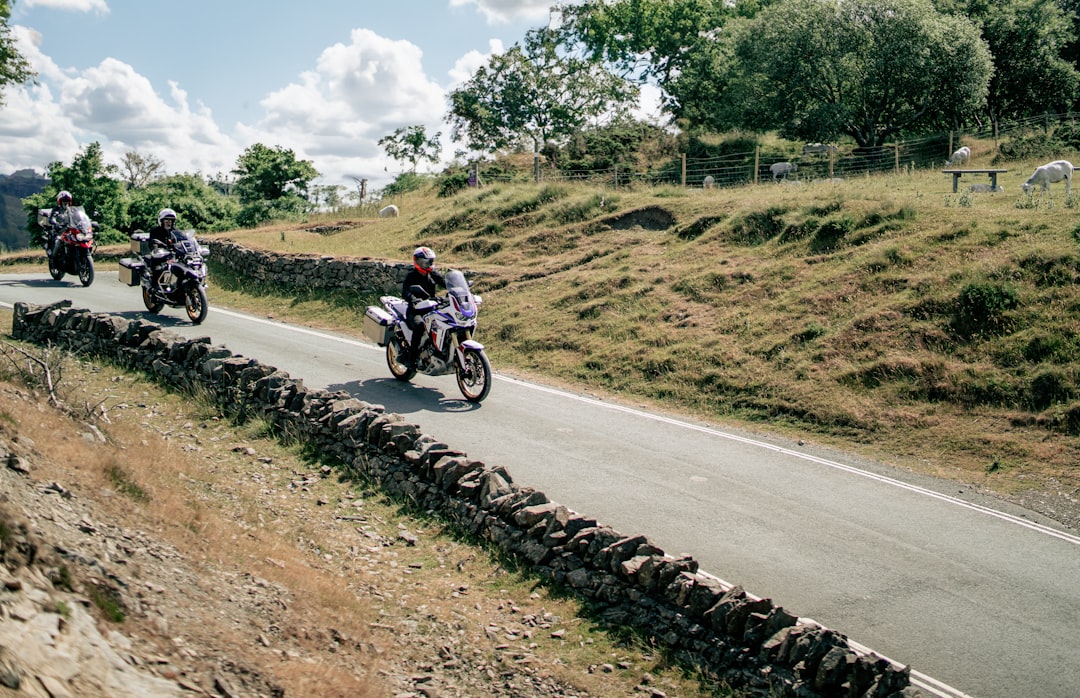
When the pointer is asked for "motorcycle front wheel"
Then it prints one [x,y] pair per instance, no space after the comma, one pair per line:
[195,303]
[393,361]
[474,375]
[86,269]
[152,304]
[54,271]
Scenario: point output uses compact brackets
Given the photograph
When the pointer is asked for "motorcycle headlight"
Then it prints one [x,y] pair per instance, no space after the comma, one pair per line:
[83,237]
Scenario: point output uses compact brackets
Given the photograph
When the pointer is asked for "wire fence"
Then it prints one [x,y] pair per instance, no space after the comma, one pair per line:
[810,162]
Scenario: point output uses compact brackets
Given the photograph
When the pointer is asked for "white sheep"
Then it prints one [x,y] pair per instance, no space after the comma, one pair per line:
[780,170]
[986,188]
[1048,174]
[390,211]
[960,157]
[820,149]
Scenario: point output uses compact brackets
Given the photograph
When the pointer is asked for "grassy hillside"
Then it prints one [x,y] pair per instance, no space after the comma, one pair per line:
[932,330]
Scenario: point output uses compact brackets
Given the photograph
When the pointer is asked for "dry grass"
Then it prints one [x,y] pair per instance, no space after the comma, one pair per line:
[233,498]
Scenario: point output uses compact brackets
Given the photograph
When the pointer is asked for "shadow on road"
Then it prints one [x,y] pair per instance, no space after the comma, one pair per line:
[403,398]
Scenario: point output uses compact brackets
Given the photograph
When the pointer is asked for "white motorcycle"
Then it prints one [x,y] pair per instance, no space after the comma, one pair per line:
[448,347]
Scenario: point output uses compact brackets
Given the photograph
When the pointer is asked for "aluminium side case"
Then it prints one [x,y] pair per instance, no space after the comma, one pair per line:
[378,325]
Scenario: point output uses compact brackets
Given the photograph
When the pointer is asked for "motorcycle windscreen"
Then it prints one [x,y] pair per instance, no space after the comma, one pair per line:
[78,219]
[184,242]
[458,288]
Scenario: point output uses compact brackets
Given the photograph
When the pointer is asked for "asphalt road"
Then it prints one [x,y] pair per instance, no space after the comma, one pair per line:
[980,596]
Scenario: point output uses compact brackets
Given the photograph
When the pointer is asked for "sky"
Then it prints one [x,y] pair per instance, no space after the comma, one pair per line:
[194,83]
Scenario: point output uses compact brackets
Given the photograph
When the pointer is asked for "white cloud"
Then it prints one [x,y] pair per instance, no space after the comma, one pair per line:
[110,103]
[335,114]
[466,66]
[98,6]
[503,11]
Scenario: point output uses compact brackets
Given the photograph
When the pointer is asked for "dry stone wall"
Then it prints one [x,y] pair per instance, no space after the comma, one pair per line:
[303,271]
[749,642]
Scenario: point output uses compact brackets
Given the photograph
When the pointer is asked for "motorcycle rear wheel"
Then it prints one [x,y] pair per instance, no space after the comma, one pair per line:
[195,304]
[151,303]
[85,267]
[393,361]
[54,271]
[474,375]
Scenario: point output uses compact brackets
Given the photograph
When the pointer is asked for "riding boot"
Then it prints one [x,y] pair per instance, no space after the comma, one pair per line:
[413,355]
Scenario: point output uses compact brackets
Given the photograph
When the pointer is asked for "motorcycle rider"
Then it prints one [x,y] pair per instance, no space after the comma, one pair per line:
[422,274]
[59,219]
[161,234]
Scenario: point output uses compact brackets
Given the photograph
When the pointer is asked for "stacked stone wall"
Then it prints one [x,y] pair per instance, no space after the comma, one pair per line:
[746,641]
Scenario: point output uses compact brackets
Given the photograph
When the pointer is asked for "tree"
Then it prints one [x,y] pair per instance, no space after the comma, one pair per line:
[271,183]
[14,69]
[670,43]
[410,143]
[534,92]
[139,169]
[870,69]
[197,204]
[93,186]
[1029,40]
[267,174]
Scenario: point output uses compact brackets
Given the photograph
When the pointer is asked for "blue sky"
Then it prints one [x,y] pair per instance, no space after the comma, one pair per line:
[194,83]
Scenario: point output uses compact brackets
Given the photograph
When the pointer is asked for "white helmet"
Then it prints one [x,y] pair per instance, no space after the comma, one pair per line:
[166,213]
[423,259]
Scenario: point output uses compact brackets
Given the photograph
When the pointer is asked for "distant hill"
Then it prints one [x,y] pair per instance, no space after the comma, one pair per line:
[13,188]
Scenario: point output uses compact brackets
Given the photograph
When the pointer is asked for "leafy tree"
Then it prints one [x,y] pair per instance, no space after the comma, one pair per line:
[1028,39]
[197,204]
[668,42]
[411,143]
[14,69]
[534,92]
[266,174]
[870,69]
[92,185]
[271,183]
[138,169]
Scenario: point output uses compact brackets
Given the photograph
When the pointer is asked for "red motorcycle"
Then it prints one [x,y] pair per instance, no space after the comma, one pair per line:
[75,253]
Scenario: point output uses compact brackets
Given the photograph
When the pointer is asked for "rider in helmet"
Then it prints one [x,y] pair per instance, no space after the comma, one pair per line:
[162,232]
[58,220]
[422,274]
[161,235]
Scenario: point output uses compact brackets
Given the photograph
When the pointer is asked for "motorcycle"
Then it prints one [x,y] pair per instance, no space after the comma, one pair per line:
[449,323]
[75,254]
[173,275]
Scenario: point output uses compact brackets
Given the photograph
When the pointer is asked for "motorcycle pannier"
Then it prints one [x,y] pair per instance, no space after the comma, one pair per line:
[377,325]
[131,271]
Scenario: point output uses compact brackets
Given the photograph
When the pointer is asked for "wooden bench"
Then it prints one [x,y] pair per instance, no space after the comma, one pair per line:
[957,174]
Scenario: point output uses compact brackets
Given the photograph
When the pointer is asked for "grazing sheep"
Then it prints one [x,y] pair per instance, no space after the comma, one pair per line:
[708,182]
[960,157]
[986,188]
[1048,174]
[390,211]
[820,149]
[780,170]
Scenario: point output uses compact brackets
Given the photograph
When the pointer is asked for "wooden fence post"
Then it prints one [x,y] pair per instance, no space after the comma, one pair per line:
[757,161]
[684,170]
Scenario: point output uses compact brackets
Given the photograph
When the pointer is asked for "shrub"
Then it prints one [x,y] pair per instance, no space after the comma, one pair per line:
[982,309]
[831,234]
[452,183]
[1050,387]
